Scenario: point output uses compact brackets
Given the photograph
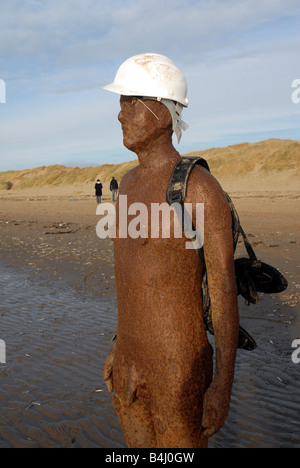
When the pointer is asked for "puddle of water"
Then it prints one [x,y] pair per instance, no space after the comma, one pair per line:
[52,392]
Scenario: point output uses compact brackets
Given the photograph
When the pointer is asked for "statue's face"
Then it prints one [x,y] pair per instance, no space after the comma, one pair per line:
[141,121]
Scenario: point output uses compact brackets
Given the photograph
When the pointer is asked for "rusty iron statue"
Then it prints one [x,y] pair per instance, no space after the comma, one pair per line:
[166,392]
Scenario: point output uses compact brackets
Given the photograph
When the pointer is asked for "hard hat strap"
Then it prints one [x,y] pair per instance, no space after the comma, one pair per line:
[148,108]
[175,110]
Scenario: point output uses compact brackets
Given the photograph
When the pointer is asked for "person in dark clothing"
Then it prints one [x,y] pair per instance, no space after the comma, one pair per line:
[98,190]
[114,188]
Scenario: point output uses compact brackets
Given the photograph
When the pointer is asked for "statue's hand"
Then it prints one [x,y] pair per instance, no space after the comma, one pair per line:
[215,409]
[108,369]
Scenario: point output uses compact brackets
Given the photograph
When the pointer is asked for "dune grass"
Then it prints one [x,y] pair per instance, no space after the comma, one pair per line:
[267,157]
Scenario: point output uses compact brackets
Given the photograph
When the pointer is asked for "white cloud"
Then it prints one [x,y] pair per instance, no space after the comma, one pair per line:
[84,31]
[239,56]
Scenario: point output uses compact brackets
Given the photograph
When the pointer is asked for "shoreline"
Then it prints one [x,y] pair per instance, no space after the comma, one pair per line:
[59,315]
[57,234]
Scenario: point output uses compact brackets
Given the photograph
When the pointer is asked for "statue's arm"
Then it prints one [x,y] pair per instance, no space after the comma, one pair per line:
[108,369]
[219,259]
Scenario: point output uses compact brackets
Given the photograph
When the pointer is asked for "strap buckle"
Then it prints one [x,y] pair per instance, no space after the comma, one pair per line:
[176,196]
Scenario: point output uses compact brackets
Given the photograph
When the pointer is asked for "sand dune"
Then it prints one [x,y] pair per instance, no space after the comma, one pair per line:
[270,157]
[272,163]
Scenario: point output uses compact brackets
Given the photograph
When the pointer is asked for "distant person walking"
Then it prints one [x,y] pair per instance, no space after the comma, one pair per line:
[114,188]
[98,190]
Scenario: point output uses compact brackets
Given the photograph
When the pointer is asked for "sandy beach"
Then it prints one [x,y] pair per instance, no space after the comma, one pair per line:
[58,316]
[100,91]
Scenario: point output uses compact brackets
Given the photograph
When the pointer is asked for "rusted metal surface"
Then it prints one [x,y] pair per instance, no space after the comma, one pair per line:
[160,367]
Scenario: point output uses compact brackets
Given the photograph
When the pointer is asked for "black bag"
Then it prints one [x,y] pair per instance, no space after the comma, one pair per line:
[252,275]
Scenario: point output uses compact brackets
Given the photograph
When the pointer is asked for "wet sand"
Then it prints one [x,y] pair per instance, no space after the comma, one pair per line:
[58,315]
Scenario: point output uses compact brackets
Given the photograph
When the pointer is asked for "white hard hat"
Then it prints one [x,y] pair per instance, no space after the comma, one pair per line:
[151,75]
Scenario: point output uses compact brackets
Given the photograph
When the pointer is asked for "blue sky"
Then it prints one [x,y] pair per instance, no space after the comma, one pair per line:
[240,58]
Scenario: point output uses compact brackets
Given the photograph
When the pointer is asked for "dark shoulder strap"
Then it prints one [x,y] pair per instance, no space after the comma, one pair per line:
[177,187]
[176,193]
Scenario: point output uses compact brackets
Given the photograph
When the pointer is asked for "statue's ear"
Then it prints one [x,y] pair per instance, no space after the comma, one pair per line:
[165,118]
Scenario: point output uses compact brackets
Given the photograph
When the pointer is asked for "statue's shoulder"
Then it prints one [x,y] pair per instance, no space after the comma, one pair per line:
[129,179]
[203,186]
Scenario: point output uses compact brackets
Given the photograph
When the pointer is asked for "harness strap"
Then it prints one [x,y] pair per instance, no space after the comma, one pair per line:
[250,251]
[177,190]
[176,193]
[177,187]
